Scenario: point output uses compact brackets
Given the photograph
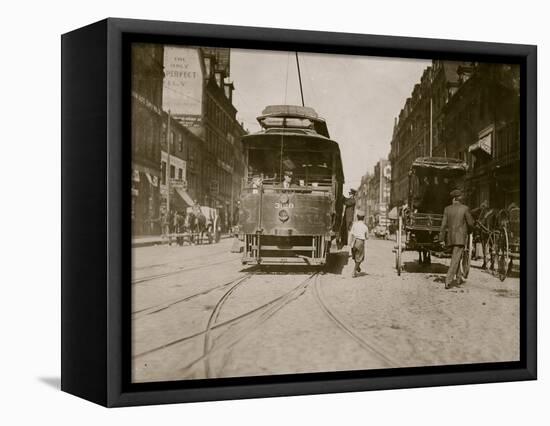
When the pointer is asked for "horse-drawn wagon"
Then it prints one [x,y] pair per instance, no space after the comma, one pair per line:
[203,222]
[431,179]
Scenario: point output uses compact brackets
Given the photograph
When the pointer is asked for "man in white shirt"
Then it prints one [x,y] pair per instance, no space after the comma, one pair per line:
[359,234]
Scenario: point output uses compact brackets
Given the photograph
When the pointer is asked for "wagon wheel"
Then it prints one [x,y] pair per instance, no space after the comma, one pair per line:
[398,261]
[399,248]
[466,257]
[491,247]
[503,254]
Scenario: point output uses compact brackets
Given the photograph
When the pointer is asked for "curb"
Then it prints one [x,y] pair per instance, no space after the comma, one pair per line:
[164,241]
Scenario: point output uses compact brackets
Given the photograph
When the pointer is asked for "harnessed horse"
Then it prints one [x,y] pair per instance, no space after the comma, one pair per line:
[489,224]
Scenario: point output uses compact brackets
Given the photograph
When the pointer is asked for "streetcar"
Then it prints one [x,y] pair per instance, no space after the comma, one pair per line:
[431,179]
[291,198]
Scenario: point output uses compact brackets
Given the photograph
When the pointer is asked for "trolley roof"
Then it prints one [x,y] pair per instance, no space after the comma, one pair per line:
[293,117]
[308,135]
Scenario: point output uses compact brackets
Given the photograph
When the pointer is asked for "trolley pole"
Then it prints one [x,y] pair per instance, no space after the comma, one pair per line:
[300,78]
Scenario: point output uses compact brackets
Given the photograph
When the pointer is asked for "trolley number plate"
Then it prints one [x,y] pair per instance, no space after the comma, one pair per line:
[284,205]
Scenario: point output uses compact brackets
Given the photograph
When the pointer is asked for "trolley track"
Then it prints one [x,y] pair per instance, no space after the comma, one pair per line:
[150,310]
[282,299]
[227,341]
[178,271]
[212,321]
[366,344]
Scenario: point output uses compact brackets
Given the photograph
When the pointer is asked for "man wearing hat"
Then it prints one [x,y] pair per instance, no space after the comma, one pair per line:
[287,179]
[456,223]
[347,220]
[359,233]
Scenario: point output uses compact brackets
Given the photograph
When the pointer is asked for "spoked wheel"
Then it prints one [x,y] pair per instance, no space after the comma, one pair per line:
[398,261]
[466,257]
[503,254]
[399,248]
[491,247]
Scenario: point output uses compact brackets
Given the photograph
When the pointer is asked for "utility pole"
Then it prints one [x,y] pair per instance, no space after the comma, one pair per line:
[431,125]
[168,167]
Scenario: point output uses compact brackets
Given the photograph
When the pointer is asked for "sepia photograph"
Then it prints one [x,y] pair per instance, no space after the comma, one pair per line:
[296,212]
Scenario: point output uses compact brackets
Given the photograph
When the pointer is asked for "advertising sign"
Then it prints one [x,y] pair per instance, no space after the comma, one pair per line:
[183,81]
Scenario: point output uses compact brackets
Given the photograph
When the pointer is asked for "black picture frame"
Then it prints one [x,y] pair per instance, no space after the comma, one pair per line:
[96,234]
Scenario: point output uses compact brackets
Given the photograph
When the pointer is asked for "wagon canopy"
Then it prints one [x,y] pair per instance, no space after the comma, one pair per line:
[439,166]
[431,181]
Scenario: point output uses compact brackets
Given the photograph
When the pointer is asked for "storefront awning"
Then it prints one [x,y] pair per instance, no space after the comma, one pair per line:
[153,180]
[393,214]
[183,194]
[484,144]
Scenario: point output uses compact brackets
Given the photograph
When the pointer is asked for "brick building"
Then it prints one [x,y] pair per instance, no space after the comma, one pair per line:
[198,94]
[182,166]
[146,110]
[481,127]
[468,111]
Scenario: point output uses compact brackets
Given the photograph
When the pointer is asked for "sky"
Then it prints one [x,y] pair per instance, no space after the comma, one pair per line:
[358,96]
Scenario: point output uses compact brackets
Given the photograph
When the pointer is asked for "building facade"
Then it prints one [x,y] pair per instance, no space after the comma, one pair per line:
[198,94]
[181,160]
[377,189]
[481,127]
[146,111]
[468,111]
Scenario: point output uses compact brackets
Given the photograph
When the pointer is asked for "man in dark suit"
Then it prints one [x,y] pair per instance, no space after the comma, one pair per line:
[457,221]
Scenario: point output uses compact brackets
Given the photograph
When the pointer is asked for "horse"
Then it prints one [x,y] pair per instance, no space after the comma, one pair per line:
[487,222]
[424,257]
[190,225]
[200,226]
[484,219]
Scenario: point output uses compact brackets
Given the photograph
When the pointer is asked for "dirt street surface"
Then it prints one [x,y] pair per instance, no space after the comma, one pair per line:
[198,313]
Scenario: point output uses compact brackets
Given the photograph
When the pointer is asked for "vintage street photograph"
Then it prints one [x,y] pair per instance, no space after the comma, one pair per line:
[297,212]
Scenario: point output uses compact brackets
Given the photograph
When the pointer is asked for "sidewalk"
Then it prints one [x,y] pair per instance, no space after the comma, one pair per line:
[154,240]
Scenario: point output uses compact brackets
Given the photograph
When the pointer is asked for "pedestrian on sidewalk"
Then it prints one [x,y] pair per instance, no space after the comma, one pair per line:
[165,224]
[457,222]
[359,234]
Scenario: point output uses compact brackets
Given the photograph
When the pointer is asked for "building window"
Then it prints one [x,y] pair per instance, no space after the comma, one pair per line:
[163,172]
[172,142]
[172,172]
[180,143]
[180,174]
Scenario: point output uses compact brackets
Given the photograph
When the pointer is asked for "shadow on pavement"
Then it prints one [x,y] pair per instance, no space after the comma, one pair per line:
[281,269]
[437,278]
[335,264]
[514,272]
[434,268]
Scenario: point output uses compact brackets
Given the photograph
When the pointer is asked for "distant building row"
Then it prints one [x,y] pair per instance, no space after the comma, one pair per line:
[464,110]
[373,194]
[186,140]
